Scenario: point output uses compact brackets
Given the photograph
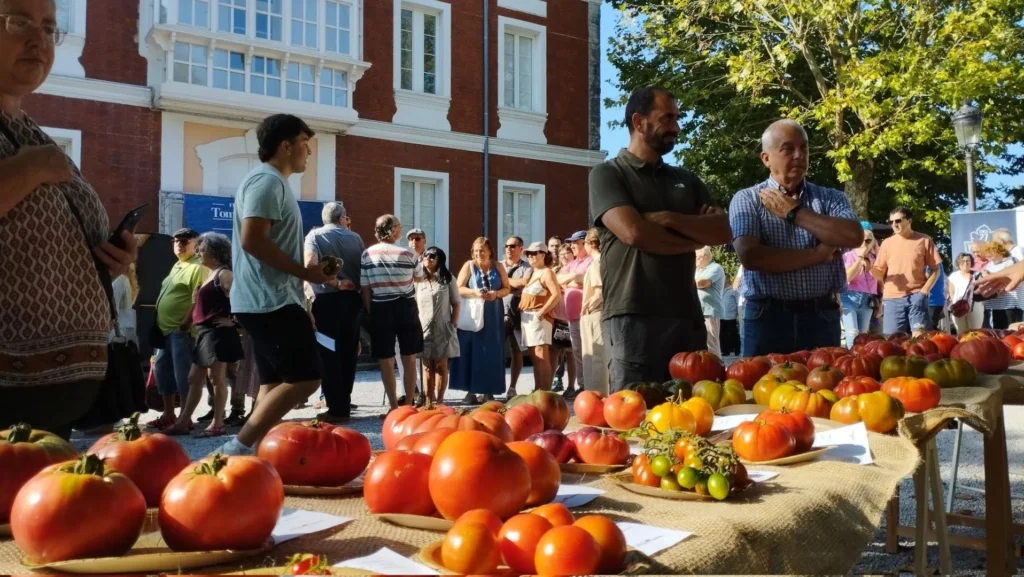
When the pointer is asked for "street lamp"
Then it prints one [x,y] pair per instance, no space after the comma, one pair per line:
[967,123]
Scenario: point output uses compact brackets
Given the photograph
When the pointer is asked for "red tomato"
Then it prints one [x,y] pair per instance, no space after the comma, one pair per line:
[470,548]
[407,443]
[589,407]
[851,386]
[748,370]
[790,371]
[553,407]
[524,420]
[23,453]
[396,482]
[556,513]
[988,355]
[624,410]
[518,539]
[486,518]
[824,377]
[315,453]
[698,366]
[394,425]
[916,395]
[796,422]
[545,476]
[1018,351]
[922,346]
[150,461]
[864,364]
[609,539]
[826,356]
[760,441]
[945,342]
[557,443]
[221,503]
[567,551]
[307,564]
[76,510]
[429,442]
[884,349]
[475,470]
[642,472]
[597,447]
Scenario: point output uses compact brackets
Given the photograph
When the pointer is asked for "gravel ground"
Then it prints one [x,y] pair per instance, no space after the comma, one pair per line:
[368,395]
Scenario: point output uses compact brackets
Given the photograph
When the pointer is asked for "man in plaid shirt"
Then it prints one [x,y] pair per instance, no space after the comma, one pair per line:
[788,233]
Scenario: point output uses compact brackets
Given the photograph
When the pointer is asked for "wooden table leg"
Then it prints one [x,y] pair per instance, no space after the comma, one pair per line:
[921,519]
[1000,560]
[938,512]
[892,523]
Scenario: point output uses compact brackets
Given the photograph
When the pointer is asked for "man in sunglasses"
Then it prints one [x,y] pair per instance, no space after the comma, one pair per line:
[519,273]
[900,267]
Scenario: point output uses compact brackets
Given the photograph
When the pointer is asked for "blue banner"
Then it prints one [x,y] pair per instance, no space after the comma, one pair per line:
[206,213]
[968,227]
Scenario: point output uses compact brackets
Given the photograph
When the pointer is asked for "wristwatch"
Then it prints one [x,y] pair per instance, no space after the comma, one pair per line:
[791,217]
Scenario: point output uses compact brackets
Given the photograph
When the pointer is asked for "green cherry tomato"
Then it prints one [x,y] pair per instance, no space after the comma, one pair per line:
[687,477]
[661,465]
[668,483]
[719,486]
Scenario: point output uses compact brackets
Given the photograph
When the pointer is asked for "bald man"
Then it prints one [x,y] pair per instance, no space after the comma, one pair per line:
[787,233]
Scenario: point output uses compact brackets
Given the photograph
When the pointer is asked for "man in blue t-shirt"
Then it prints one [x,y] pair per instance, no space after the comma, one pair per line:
[936,301]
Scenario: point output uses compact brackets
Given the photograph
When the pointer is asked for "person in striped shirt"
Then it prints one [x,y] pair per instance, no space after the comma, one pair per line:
[386,278]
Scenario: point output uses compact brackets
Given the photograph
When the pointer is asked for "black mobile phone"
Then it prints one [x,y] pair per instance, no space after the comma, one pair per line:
[129,222]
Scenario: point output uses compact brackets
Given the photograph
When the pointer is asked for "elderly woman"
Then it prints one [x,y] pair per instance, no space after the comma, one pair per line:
[217,341]
[56,261]
[1003,306]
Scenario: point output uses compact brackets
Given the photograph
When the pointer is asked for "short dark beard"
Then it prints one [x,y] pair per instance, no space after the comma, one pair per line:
[657,142]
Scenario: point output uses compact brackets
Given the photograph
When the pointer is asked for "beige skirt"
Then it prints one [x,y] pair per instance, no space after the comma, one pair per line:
[536,330]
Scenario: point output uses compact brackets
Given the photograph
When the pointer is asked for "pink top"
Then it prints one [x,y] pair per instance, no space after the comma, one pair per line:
[863,282]
[572,296]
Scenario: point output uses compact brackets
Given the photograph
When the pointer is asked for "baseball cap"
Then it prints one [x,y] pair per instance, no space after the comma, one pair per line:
[418,231]
[579,235]
[537,247]
[185,233]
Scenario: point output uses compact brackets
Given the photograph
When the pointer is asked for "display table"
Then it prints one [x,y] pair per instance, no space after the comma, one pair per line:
[814,518]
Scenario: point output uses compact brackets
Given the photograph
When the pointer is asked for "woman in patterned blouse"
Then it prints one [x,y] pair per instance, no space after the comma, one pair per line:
[54,312]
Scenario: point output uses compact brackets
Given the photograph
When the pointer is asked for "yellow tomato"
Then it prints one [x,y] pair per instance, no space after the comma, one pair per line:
[703,413]
[672,415]
[778,397]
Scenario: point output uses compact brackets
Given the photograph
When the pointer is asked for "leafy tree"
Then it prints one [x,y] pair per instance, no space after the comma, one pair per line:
[874,82]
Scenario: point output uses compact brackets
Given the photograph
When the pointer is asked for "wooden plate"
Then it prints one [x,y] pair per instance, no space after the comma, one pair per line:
[636,562]
[584,468]
[792,459]
[417,521]
[743,409]
[148,555]
[283,570]
[626,481]
[5,530]
[352,488]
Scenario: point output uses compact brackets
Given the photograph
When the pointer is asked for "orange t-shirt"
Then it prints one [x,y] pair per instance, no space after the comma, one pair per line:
[906,259]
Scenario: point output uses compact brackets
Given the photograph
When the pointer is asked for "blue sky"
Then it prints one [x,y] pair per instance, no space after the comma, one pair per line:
[612,139]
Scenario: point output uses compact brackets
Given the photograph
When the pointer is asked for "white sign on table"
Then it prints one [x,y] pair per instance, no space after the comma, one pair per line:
[387,562]
[294,523]
[731,421]
[762,476]
[650,540]
[849,444]
[576,495]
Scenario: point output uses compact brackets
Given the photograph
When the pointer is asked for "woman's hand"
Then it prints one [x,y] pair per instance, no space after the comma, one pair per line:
[116,259]
[223,322]
[1004,280]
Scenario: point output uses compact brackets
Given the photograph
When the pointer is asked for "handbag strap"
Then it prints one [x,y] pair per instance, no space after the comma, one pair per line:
[101,269]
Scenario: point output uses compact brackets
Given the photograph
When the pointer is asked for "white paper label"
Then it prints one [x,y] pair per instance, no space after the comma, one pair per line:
[294,523]
[387,562]
[731,421]
[762,476]
[850,444]
[576,495]
[650,540]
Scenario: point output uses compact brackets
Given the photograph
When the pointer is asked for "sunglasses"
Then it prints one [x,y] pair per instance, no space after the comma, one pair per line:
[182,240]
[532,253]
[512,245]
[896,221]
[430,256]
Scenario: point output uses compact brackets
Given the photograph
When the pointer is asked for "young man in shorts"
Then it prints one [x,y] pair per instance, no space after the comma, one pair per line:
[266,295]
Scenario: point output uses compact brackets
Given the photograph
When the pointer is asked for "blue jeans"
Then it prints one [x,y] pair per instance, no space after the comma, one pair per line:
[905,314]
[173,363]
[856,314]
[769,328]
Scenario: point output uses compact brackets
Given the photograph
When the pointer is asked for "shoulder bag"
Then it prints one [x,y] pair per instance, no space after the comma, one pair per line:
[471,313]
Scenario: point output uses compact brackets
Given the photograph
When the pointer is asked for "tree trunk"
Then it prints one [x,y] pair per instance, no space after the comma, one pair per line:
[857,187]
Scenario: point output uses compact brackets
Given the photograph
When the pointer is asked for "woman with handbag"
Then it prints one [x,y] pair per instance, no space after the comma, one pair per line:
[480,367]
[57,263]
[540,297]
[1002,306]
[861,287]
[438,303]
[968,313]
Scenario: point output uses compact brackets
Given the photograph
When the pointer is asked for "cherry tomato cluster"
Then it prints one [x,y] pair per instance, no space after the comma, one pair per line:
[680,461]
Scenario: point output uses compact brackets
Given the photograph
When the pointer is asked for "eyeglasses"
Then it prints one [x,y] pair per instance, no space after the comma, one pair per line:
[512,245]
[23,26]
[896,221]
[430,256]
[182,240]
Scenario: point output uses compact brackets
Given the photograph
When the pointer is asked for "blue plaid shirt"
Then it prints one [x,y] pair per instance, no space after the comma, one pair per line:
[748,217]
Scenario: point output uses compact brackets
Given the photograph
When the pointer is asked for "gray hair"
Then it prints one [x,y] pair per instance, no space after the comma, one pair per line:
[768,136]
[216,246]
[703,251]
[332,212]
[1002,235]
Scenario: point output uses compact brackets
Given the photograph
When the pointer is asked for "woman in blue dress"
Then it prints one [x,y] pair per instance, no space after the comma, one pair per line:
[480,367]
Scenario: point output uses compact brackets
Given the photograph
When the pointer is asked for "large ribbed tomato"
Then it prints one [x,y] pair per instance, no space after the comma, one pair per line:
[922,346]
[475,470]
[761,441]
[916,395]
[748,370]
[796,422]
[826,356]
[851,386]
[556,443]
[396,482]
[879,411]
[597,447]
[426,443]
[545,476]
[802,398]
[945,342]
[315,453]
[405,421]
[221,503]
[824,377]
[952,373]
[150,461]
[863,364]
[75,510]
[524,420]
[23,453]
[988,355]
[698,366]
[790,371]
[885,349]
[720,395]
[766,385]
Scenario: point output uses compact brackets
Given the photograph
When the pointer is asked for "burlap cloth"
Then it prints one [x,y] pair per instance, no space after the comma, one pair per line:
[815,518]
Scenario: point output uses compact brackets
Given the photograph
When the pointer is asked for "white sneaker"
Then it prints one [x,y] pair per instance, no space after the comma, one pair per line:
[232,448]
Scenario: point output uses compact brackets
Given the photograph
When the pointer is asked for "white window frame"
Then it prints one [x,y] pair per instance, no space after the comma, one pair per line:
[265,76]
[231,18]
[205,63]
[441,202]
[539,215]
[517,124]
[209,13]
[298,82]
[228,69]
[414,107]
[67,56]
[352,23]
[67,137]
[333,88]
[305,21]
[271,16]
[535,7]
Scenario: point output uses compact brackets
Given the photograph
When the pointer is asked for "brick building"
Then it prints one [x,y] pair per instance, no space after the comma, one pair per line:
[157,101]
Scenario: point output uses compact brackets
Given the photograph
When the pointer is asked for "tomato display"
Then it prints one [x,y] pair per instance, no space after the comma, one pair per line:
[486,518]
[860,365]
[545,476]
[790,371]
[916,395]
[824,377]
[944,341]
[643,473]
[764,388]
[556,513]
[489,406]
[553,407]
[851,386]
[315,453]
[23,453]
[802,398]
[910,366]
[761,441]
[989,356]
[610,541]
[826,356]
[624,410]
[567,551]
[557,443]
[922,346]
[426,443]
[518,539]
[698,366]
[748,370]
[885,349]
[951,373]
[719,395]
[672,415]
[308,564]
[589,409]
[486,473]
[75,510]
[397,482]
[524,420]
[405,421]
[597,447]
[470,548]
[878,410]
[221,503]
[779,358]
[703,414]
[796,422]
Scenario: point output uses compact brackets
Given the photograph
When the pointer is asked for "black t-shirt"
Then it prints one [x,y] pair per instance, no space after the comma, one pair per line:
[636,282]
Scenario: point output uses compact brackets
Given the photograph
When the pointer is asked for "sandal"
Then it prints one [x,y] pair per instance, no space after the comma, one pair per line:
[163,422]
[211,432]
[174,431]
